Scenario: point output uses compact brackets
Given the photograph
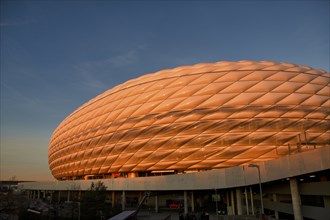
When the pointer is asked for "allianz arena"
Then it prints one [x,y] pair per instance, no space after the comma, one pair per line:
[193,118]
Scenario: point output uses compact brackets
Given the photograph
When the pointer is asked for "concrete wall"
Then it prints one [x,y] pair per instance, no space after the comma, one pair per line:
[287,166]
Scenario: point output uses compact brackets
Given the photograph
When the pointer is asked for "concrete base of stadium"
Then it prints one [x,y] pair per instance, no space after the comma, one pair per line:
[295,186]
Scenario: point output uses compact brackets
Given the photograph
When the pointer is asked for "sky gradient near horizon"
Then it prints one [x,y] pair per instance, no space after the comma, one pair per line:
[55,56]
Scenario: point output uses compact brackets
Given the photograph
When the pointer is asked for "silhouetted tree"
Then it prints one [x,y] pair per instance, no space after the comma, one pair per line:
[93,204]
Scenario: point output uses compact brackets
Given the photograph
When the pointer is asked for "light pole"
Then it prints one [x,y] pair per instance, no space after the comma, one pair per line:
[260,189]
[216,201]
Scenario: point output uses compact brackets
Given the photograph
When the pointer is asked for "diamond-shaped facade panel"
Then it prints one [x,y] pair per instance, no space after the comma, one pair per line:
[199,117]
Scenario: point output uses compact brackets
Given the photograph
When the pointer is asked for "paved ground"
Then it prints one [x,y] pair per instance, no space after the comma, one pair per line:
[174,215]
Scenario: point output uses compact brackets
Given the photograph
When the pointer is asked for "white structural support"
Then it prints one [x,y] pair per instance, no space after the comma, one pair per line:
[113,199]
[232,202]
[185,200]
[296,202]
[123,200]
[192,202]
[156,203]
[59,197]
[252,204]
[239,201]
[246,201]
[275,200]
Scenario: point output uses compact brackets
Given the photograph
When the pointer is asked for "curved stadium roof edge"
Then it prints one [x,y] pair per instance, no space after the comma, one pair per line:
[224,63]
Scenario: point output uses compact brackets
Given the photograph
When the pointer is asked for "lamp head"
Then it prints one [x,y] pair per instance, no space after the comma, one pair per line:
[253,165]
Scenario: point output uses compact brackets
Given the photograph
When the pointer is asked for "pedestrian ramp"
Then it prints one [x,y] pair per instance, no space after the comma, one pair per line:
[123,215]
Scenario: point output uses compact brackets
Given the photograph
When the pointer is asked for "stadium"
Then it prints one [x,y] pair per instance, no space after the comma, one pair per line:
[195,134]
[192,118]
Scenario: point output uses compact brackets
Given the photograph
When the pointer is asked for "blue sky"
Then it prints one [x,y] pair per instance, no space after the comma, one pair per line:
[56,55]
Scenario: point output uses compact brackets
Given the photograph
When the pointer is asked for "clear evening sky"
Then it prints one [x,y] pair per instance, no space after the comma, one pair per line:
[56,55]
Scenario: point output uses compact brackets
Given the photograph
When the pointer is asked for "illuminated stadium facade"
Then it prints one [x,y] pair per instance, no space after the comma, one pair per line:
[192,118]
